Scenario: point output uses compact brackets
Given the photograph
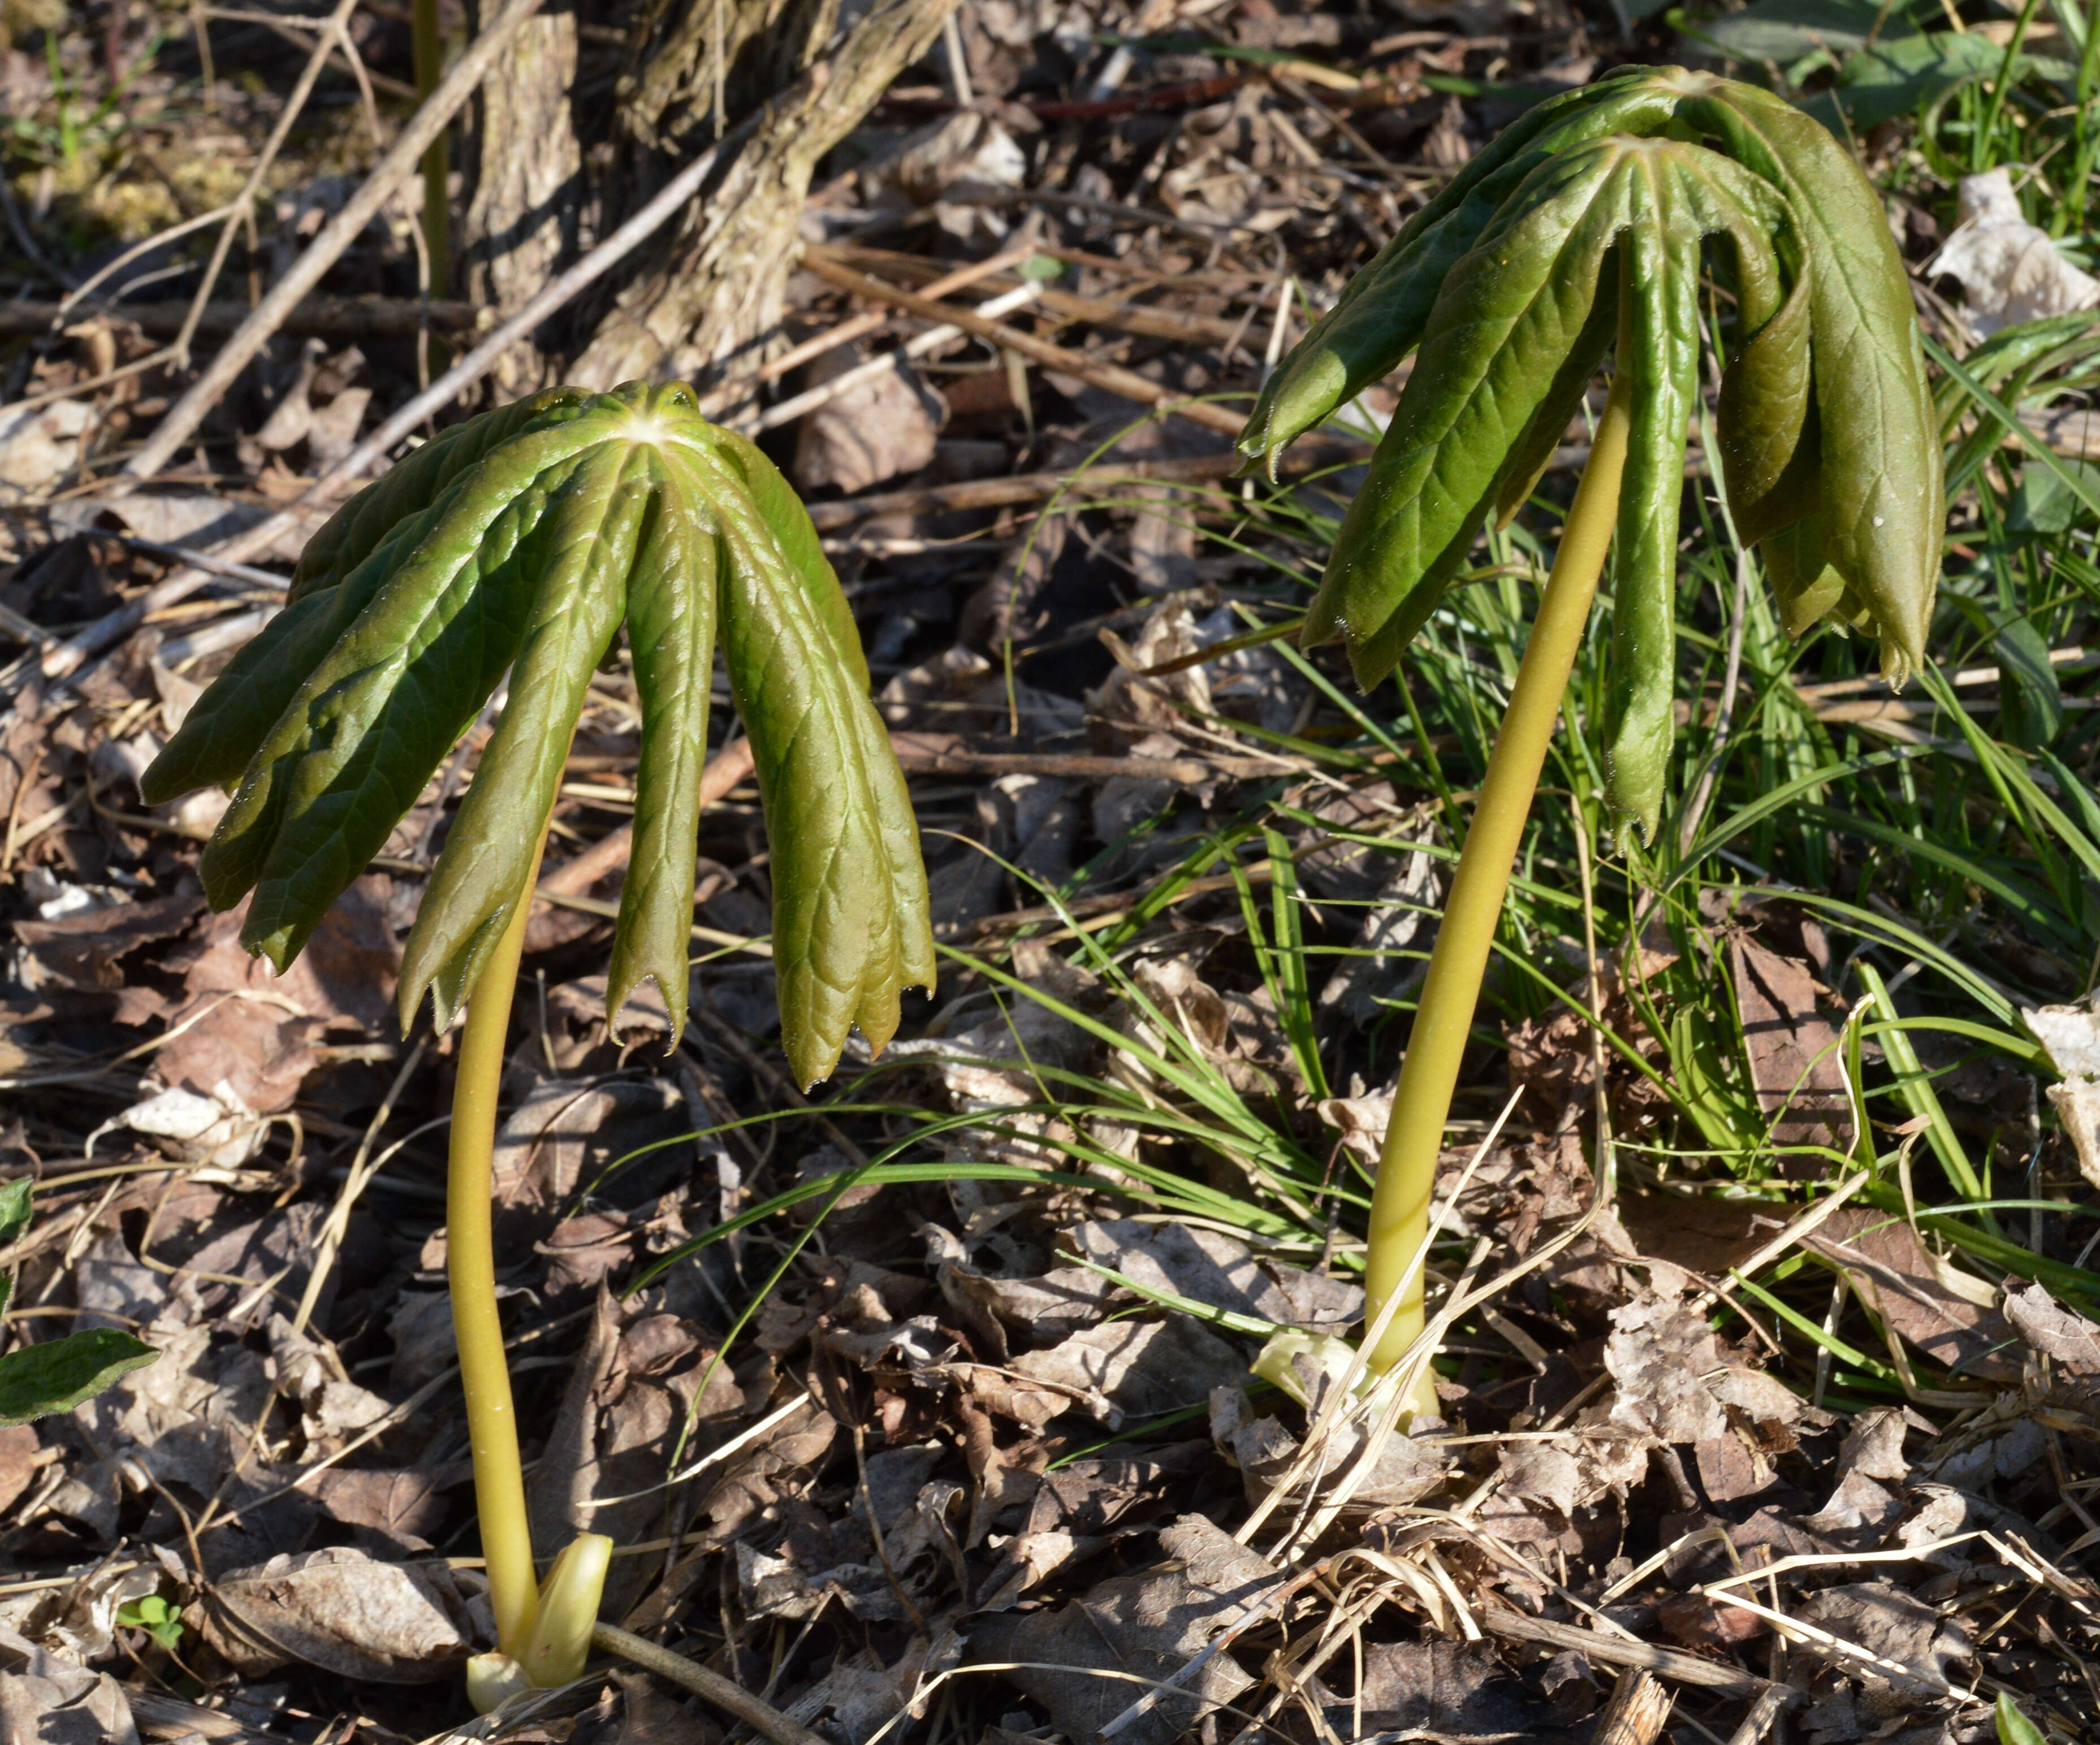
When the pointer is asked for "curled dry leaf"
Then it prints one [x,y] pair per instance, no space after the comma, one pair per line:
[2060,1333]
[1677,1384]
[1125,1369]
[2010,270]
[875,429]
[51,1701]
[342,1611]
[2071,1036]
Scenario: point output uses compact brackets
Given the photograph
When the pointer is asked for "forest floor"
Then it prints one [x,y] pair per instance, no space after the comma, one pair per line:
[924,1405]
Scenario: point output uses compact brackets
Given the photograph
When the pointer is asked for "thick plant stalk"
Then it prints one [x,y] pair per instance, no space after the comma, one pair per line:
[499,1476]
[1429,1074]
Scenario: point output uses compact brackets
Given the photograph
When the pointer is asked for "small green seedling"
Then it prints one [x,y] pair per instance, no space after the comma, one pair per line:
[1581,233]
[154,1615]
[56,1375]
[522,542]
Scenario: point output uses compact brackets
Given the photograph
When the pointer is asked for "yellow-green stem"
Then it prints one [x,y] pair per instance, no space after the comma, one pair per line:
[1436,1046]
[498,1477]
[430,51]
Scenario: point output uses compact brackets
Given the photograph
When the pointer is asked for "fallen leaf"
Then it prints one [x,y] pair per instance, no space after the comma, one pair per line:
[1457,1692]
[1932,1304]
[2070,1035]
[1792,1042]
[333,1409]
[215,1128]
[1126,1369]
[882,425]
[1150,1624]
[1218,1270]
[1266,1451]
[1675,1383]
[76,1622]
[858,1697]
[2053,1330]
[390,1511]
[342,1611]
[21,1458]
[1887,1622]
[1081,1508]
[1861,1508]
[39,445]
[243,1025]
[83,948]
[192,518]
[2009,271]
[53,1702]
[1699,1623]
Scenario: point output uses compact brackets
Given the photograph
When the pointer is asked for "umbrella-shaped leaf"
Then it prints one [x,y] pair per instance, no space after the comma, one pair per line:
[522,542]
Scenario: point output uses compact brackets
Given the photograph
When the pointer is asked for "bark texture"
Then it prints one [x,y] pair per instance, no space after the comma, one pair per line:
[563,152]
[521,221]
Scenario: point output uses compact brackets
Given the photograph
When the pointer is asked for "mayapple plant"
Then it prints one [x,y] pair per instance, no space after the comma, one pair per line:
[1581,232]
[521,542]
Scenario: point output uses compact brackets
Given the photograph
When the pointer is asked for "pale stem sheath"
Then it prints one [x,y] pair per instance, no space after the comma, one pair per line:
[1458,963]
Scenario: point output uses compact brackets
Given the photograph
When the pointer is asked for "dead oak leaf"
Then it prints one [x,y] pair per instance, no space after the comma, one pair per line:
[2053,1330]
[83,949]
[1924,1647]
[1677,1384]
[51,1701]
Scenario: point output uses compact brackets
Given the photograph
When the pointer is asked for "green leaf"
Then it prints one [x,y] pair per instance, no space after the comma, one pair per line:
[522,542]
[1785,30]
[1901,75]
[1882,492]
[373,516]
[573,576]
[674,594]
[1533,452]
[1662,270]
[1764,421]
[14,1202]
[36,1380]
[2014,1728]
[1507,317]
[2030,700]
[2044,502]
[373,721]
[851,927]
[1385,310]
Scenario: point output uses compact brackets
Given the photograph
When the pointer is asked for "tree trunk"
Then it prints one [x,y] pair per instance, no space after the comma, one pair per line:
[563,152]
[520,225]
